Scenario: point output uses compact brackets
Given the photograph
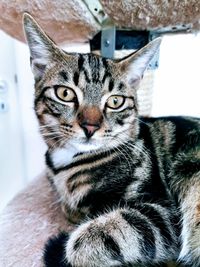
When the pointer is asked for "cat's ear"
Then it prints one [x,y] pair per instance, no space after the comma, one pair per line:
[40,45]
[134,65]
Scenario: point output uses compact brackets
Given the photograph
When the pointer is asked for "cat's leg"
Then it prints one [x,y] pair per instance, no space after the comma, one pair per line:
[54,251]
[186,184]
[123,237]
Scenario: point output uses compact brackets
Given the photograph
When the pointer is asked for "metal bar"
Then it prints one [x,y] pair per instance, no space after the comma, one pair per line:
[108,38]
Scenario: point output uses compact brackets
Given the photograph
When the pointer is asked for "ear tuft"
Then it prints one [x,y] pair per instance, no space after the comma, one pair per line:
[40,45]
[133,66]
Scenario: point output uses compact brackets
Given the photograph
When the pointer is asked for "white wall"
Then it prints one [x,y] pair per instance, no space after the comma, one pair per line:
[177,91]
[177,83]
[12,175]
[34,147]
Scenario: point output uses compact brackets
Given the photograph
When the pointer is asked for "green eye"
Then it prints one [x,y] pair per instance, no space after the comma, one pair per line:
[65,94]
[115,101]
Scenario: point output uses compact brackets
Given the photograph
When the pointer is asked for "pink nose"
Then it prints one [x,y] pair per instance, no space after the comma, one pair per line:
[89,129]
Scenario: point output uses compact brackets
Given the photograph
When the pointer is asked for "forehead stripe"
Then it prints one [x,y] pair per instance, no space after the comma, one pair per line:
[76,78]
[106,69]
[111,85]
[64,75]
[80,62]
[94,64]
[121,87]
[81,67]
[86,76]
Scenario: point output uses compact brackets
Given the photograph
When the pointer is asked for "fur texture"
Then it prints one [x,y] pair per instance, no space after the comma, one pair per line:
[126,181]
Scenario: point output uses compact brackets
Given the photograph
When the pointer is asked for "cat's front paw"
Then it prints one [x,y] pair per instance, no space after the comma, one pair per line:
[91,245]
[55,251]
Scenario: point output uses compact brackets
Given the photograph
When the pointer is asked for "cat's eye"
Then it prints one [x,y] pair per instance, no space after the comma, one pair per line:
[65,94]
[115,101]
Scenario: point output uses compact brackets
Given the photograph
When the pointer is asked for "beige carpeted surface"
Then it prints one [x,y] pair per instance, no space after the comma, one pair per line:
[27,222]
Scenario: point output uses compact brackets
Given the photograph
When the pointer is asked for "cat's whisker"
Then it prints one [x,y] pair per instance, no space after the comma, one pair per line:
[51,134]
[123,152]
[58,143]
[133,146]
[50,139]
[138,119]
[48,127]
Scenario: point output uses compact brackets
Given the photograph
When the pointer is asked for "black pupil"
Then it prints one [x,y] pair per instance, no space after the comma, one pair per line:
[115,101]
[65,93]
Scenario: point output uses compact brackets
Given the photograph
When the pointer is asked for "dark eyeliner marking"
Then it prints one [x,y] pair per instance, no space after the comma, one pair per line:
[38,98]
[120,122]
[126,109]
[52,110]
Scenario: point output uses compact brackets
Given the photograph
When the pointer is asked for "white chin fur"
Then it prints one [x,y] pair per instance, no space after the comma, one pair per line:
[86,147]
[63,156]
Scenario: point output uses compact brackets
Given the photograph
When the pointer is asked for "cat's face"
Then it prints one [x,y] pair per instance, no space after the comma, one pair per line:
[84,100]
[86,103]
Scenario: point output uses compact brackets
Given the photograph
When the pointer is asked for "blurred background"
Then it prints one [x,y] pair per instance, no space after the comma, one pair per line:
[176,92]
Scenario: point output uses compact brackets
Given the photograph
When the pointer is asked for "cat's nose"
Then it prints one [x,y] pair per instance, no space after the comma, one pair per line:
[89,129]
[90,120]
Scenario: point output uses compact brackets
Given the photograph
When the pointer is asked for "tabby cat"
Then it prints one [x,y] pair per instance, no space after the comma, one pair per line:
[130,185]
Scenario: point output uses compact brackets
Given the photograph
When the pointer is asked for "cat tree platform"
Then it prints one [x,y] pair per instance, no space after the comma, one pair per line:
[79,20]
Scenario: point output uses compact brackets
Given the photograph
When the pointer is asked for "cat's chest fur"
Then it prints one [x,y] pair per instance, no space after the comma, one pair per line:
[91,182]
[70,184]
[63,156]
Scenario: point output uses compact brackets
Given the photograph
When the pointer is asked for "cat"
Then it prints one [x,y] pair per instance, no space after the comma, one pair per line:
[130,185]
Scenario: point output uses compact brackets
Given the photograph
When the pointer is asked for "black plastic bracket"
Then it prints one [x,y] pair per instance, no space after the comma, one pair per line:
[110,39]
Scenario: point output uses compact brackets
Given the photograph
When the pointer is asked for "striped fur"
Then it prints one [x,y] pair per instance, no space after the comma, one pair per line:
[130,185]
